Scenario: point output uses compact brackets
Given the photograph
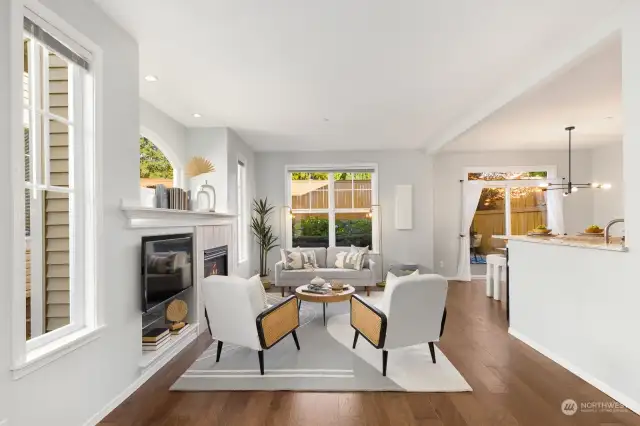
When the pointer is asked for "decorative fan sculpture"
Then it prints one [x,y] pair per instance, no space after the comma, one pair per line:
[198,166]
[176,313]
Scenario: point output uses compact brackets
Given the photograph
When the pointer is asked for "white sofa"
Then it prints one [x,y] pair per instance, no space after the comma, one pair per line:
[326,259]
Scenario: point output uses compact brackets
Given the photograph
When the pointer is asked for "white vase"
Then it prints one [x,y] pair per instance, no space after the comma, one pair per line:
[317,281]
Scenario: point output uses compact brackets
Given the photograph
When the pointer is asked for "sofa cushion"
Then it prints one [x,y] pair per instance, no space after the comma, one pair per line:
[321,255]
[327,274]
[332,253]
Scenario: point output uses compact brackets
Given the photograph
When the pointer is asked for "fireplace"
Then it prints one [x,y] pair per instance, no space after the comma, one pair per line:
[216,261]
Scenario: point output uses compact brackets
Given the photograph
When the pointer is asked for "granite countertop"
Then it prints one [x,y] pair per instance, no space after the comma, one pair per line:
[569,241]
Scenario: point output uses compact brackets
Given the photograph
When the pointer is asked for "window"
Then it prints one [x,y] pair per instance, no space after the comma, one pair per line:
[155,168]
[242,212]
[58,145]
[512,203]
[333,208]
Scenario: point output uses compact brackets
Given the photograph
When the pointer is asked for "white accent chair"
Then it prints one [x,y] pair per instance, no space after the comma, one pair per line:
[412,311]
[496,268]
[235,313]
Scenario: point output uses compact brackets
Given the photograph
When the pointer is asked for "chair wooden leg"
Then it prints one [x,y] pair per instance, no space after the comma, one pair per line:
[355,339]
[433,352]
[368,290]
[261,360]
[282,291]
[385,355]
[219,351]
[295,339]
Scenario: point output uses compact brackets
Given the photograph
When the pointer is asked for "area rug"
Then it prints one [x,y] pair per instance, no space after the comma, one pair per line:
[325,362]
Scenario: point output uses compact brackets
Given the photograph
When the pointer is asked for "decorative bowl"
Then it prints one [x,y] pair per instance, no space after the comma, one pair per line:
[541,231]
[337,285]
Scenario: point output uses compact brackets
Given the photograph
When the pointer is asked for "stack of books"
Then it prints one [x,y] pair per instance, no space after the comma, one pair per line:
[172,198]
[155,338]
[179,331]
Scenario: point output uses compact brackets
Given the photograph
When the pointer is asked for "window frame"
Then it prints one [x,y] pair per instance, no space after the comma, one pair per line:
[512,183]
[242,210]
[332,210]
[85,92]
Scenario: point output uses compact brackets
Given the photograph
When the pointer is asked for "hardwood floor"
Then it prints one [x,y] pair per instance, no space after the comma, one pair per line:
[512,385]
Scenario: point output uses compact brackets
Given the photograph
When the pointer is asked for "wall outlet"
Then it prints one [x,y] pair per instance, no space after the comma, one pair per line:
[442,263]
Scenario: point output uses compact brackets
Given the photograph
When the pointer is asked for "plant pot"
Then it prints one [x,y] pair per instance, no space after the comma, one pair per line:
[266,282]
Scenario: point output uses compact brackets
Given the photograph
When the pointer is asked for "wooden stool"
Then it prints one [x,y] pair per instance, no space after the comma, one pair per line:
[496,265]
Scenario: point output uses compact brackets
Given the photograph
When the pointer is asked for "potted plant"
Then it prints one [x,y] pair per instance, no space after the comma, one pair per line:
[263,233]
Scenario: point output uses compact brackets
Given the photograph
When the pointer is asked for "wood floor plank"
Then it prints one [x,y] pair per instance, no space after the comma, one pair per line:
[513,386]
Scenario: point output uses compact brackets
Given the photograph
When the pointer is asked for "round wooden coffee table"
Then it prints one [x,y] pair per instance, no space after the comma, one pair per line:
[333,297]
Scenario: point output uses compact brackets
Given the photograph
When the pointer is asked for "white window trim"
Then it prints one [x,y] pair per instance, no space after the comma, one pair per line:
[349,167]
[243,212]
[26,357]
[552,172]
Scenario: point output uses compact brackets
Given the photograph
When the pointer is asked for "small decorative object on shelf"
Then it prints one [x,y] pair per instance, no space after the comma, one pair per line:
[176,313]
[205,198]
[198,166]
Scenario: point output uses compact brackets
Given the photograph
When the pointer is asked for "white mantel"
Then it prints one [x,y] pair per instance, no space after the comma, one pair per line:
[149,217]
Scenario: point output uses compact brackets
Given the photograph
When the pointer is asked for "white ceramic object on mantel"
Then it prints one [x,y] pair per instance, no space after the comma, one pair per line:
[206,198]
[317,281]
[147,197]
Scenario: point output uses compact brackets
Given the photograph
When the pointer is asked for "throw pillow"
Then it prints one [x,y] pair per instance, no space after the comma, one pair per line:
[291,258]
[309,258]
[350,260]
[255,280]
[298,259]
[364,251]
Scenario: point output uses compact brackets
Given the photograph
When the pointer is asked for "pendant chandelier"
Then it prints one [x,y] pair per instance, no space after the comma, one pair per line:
[567,186]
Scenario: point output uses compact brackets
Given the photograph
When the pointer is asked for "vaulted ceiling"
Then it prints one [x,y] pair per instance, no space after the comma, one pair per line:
[588,95]
[336,74]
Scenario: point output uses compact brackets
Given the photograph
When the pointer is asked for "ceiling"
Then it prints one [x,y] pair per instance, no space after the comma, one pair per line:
[588,96]
[336,74]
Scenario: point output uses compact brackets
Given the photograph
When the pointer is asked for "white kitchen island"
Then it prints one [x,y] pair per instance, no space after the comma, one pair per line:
[565,302]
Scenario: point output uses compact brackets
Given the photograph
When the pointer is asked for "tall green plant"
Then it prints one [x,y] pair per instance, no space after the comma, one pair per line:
[263,232]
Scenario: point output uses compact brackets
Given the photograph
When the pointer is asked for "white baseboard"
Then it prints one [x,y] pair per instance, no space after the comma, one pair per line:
[146,375]
[622,398]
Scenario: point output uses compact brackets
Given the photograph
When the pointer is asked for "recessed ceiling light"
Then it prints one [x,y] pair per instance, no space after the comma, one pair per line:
[151,78]
[196,115]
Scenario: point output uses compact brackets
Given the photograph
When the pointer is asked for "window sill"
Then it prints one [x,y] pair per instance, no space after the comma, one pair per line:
[40,357]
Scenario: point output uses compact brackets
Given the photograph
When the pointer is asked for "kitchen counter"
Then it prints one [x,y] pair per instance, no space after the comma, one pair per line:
[569,241]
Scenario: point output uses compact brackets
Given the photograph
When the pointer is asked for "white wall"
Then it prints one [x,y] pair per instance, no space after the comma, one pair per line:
[607,167]
[6,215]
[581,310]
[449,169]
[394,168]
[169,135]
[237,149]
[75,387]
[211,143]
